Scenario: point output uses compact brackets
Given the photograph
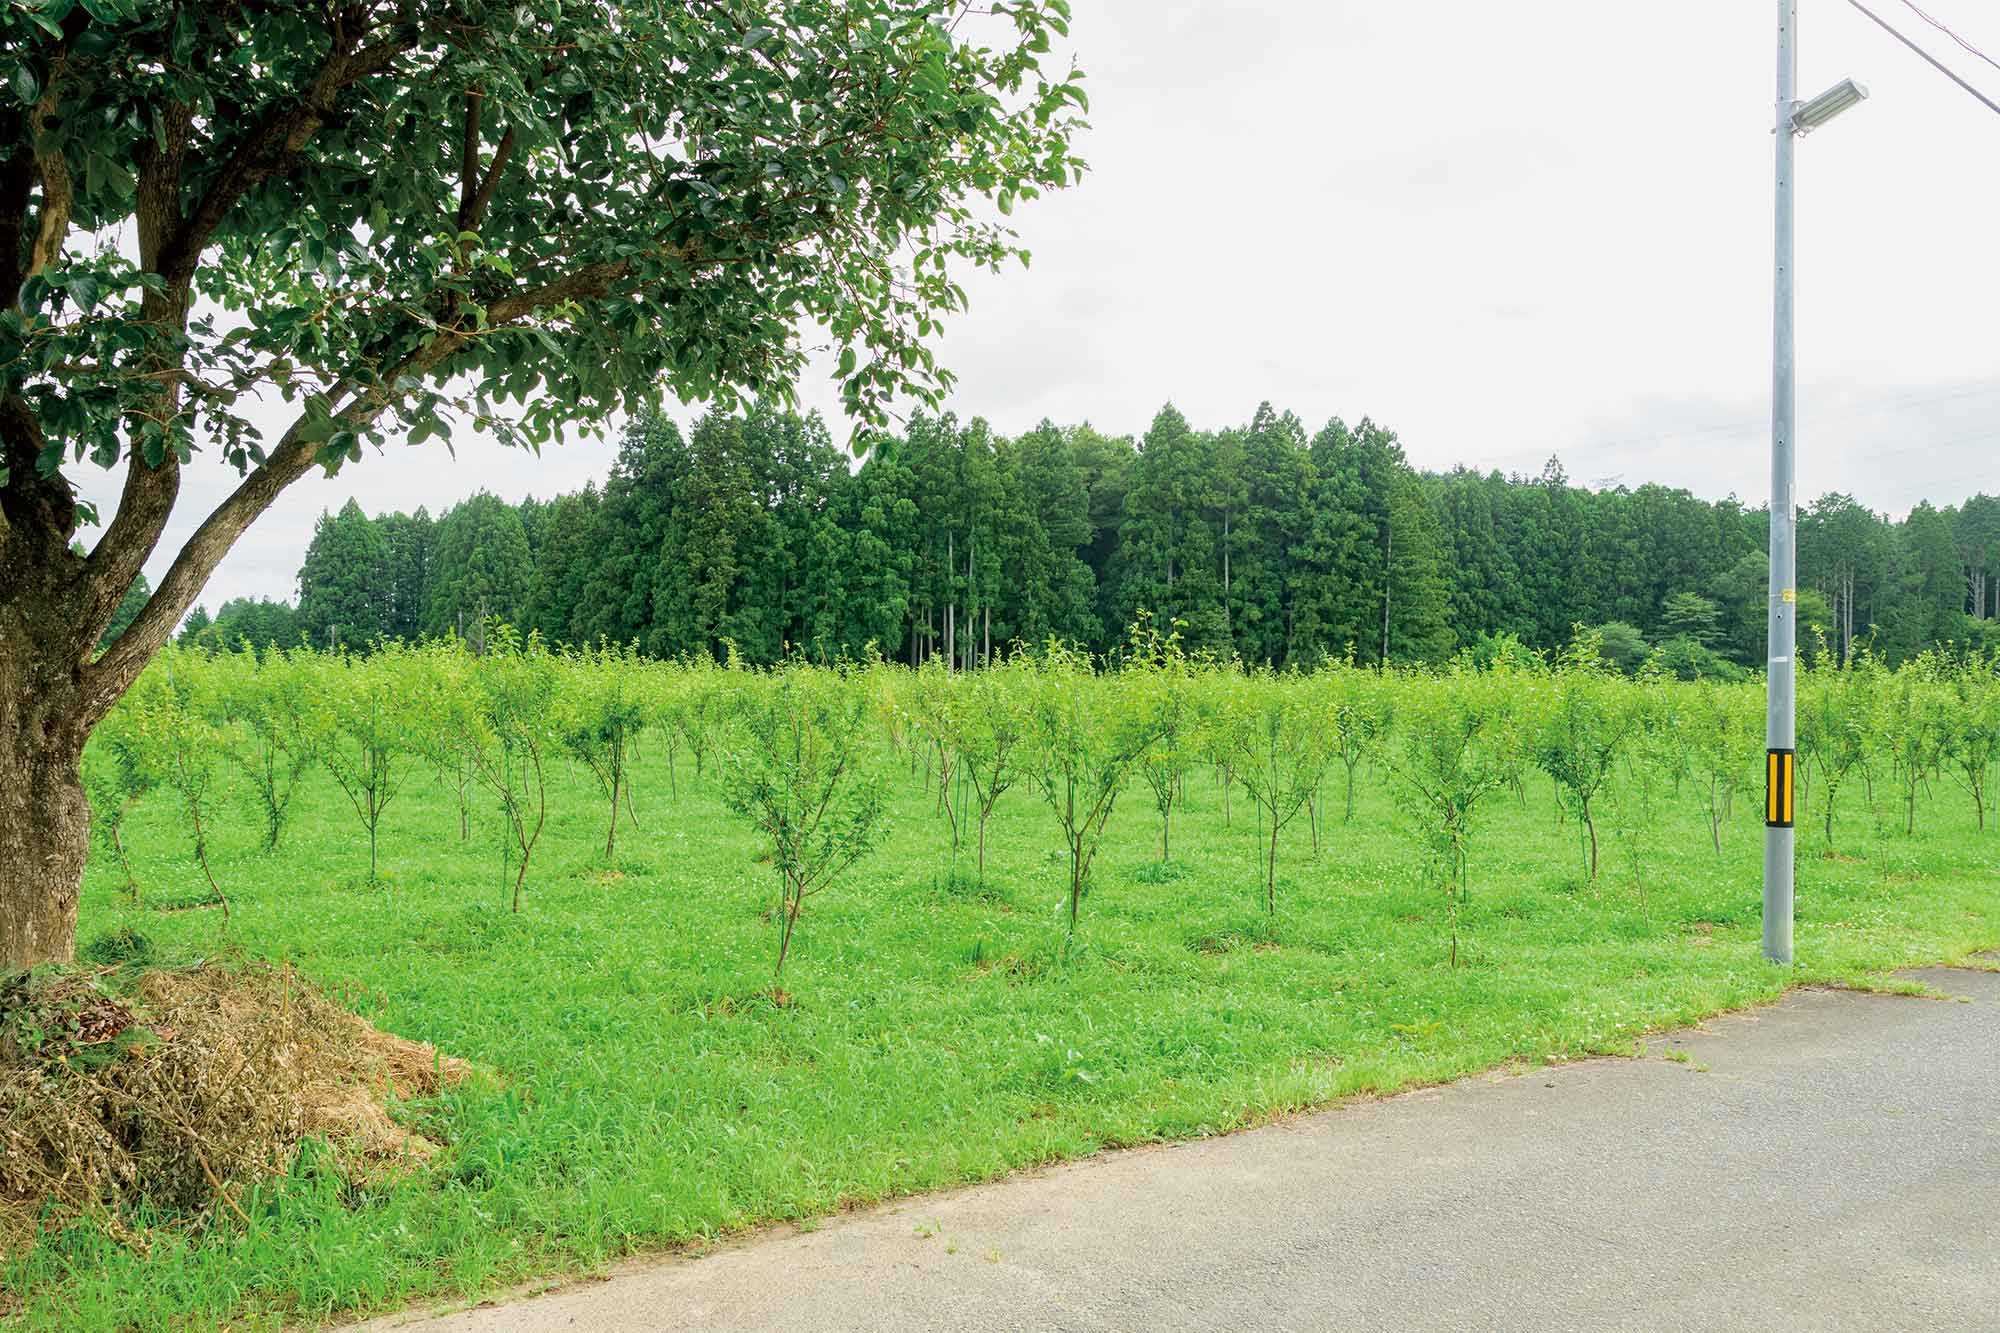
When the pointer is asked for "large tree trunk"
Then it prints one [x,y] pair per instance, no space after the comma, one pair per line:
[44,835]
[44,818]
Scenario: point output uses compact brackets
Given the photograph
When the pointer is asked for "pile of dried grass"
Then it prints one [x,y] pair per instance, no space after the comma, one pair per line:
[184,1089]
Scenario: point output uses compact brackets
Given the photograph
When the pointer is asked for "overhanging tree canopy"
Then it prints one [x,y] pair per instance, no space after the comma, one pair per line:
[386,214]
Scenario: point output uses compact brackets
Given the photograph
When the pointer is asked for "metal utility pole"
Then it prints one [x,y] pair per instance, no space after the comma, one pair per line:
[1781,668]
[1781,623]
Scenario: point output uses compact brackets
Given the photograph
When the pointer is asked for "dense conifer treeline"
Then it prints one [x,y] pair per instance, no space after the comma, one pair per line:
[1266,540]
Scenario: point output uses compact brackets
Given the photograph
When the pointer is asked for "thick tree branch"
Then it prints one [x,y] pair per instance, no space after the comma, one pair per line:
[473,211]
[293,458]
[17,180]
[52,224]
[272,147]
[27,167]
[171,246]
[146,501]
[37,513]
[468,155]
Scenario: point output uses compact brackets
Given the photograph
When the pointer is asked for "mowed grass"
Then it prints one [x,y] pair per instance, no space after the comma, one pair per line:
[937,1031]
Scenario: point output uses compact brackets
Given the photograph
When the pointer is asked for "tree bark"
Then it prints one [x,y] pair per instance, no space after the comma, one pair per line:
[44,818]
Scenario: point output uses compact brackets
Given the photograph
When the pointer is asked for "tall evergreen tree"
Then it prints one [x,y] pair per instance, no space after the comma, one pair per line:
[1171,558]
[479,568]
[572,544]
[1263,491]
[617,600]
[880,519]
[1330,561]
[409,538]
[1977,531]
[345,582]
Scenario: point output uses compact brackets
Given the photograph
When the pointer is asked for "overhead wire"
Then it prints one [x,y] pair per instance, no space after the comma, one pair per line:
[1941,27]
[1930,59]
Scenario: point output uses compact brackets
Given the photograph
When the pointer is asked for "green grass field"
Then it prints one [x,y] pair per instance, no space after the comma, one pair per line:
[937,1032]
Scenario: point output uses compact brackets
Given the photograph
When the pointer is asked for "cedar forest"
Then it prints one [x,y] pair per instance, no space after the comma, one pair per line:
[752,532]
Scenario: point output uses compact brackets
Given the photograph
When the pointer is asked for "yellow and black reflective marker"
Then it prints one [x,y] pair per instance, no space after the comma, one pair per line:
[1778,788]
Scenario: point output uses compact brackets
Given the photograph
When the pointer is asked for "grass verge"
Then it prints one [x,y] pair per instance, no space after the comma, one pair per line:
[936,1030]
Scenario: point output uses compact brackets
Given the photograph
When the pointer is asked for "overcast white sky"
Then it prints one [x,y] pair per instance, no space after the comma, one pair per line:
[1504,231]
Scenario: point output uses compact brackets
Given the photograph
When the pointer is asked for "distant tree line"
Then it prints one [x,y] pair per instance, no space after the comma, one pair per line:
[1267,541]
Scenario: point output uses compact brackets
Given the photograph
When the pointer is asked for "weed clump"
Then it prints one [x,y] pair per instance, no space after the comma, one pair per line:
[174,1094]
[123,947]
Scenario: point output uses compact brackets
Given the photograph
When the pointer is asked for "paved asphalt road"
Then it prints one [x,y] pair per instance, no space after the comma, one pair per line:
[1831,1162]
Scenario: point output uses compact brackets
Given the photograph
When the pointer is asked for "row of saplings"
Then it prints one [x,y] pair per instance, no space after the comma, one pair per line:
[799,753]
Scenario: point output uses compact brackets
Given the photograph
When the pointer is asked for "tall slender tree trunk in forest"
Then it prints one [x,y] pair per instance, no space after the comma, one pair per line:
[1388,555]
[1228,620]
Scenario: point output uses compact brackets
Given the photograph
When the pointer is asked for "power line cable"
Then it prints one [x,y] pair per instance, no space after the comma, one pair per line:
[1941,27]
[1930,59]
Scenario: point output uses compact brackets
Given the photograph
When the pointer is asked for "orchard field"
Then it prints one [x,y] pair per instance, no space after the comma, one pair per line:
[745,946]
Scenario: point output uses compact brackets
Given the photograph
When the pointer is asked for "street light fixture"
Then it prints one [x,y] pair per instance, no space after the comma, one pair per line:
[1811,115]
[1781,678]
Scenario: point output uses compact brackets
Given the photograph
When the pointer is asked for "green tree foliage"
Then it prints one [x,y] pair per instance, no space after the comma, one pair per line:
[1170,695]
[1279,738]
[1584,732]
[1689,615]
[345,590]
[752,535]
[794,766]
[1084,738]
[257,624]
[573,541]
[1837,703]
[512,730]
[524,216]
[1621,645]
[365,733]
[803,748]
[1725,752]
[992,740]
[118,772]
[1972,729]
[1455,741]
[1169,551]
[177,719]
[479,567]
[602,709]
[1915,722]
[274,739]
